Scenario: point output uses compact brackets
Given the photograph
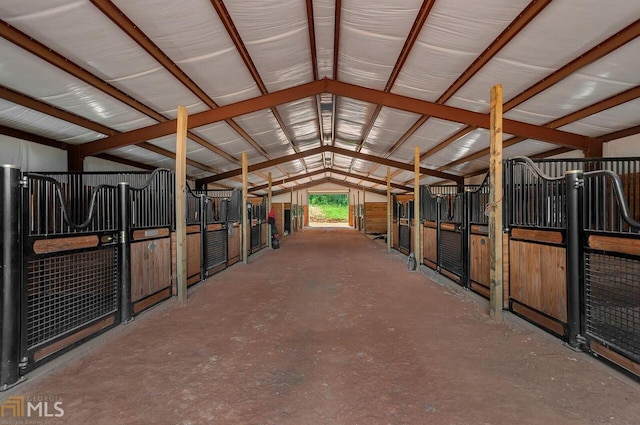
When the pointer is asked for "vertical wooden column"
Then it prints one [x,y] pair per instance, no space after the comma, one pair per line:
[181,187]
[364,208]
[416,206]
[388,209]
[495,202]
[245,183]
[269,196]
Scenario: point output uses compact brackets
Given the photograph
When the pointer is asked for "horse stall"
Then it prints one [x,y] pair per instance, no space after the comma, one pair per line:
[257,219]
[403,217]
[214,229]
[234,226]
[96,252]
[456,234]
[574,257]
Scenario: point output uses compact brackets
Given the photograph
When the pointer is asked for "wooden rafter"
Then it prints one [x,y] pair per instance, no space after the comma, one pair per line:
[231,29]
[608,103]
[411,39]
[513,29]
[47,54]
[330,180]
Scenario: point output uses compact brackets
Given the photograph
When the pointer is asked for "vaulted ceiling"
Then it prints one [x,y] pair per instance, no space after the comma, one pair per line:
[318,90]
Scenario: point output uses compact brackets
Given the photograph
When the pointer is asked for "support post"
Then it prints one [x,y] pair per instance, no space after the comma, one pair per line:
[574,205]
[416,207]
[124,260]
[203,236]
[438,233]
[269,197]
[245,221]
[181,221]
[389,209]
[10,285]
[496,301]
[364,209]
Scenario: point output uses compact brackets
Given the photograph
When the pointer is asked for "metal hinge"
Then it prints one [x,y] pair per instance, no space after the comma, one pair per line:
[24,183]
[579,183]
[581,339]
[23,363]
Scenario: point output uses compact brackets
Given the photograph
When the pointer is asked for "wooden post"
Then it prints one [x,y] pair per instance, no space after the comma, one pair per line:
[291,212]
[495,203]
[388,209]
[245,183]
[364,208]
[181,187]
[416,206]
[269,196]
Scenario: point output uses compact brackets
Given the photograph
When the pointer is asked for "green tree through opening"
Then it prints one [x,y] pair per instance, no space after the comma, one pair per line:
[329,208]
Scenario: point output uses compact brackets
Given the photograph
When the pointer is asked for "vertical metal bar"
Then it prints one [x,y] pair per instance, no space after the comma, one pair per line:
[203,238]
[574,190]
[466,239]
[438,233]
[10,283]
[124,252]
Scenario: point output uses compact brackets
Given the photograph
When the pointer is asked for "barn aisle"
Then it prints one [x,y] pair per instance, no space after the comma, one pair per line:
[332,329]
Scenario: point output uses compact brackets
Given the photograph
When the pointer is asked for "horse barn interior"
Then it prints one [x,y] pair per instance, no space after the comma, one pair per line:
[495,143]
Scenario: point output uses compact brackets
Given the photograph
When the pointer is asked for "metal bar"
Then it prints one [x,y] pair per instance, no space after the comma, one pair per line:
[10,277]
[124,253]
[574,191]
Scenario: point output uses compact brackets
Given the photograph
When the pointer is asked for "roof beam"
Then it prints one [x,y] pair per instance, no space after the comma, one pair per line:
[632,131]
[608,103]
[369,179]
[411,39]
[395,164]
[331,180]
[206,117]
[336,37]
[233,33]
[451,113]
[513,29]
[291,179]
[43,52]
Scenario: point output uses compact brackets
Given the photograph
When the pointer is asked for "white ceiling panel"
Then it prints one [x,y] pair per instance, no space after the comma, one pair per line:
[202,49]
[36,78]
[388,128]
[540,49]
[277,38]
[454,35]
[381,23]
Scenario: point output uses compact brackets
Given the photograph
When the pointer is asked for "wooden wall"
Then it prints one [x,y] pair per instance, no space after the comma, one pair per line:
[278,209]
[150,267]
[394,234]
[375,214]
[194,249]
[351,215]
[306,215]
[234,247]
[429,244]
[479,264]
[538,276]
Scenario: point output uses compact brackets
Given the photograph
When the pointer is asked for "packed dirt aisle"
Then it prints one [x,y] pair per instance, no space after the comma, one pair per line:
[332,329]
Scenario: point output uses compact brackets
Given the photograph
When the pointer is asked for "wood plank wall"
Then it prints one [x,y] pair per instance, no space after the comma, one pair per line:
[375,214]
[150,267]
[234,248]
[430,244]
[538,277]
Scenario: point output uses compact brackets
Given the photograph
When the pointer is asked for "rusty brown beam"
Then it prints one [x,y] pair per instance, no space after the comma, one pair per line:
[336,37]
[199,119]
[291,179]
[632,131]
[608,103]
[451,113]
[513,29]
[369,179]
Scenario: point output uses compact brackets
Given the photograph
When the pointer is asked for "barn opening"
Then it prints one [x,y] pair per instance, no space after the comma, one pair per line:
[328,210]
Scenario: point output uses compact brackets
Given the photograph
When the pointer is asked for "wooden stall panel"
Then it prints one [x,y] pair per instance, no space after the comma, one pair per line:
[538,277]
[430,246]
[480,269]
[194,250]
[351,215]
[234,243]
[395,233]
[306,215]
[150,267]
[375,217]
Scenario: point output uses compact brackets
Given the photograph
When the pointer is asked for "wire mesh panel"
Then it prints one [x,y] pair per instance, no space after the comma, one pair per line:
[66,292]
[404,237]
[612,301]
[255,237]
[451,251]
[216,248]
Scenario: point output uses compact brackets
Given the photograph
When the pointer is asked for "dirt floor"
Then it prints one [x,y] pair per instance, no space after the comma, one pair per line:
[332,329]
